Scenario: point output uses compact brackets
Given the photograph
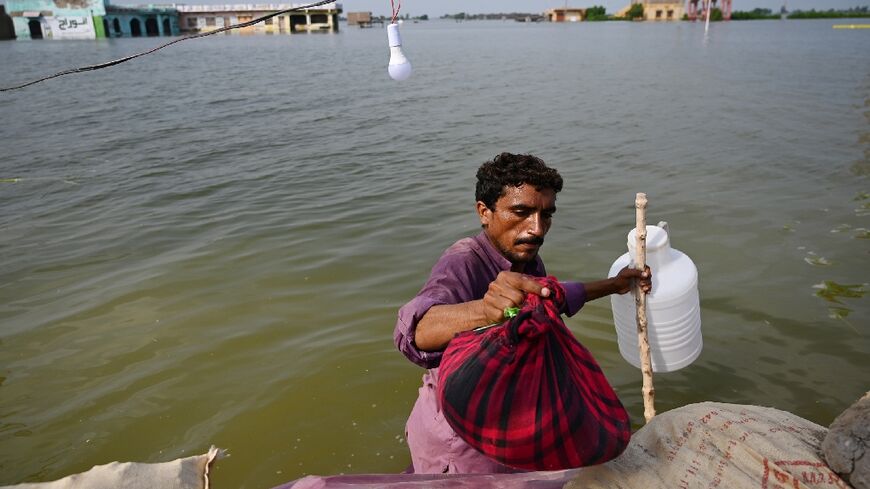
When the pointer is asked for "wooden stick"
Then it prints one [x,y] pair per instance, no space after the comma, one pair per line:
[649,392]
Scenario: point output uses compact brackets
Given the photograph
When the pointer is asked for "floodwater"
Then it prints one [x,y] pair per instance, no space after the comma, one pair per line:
[208,245]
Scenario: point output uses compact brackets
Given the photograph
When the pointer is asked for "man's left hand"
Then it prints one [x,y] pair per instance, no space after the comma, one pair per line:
[624,280]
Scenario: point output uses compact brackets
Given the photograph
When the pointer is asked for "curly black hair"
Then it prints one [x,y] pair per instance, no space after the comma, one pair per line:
[513,170]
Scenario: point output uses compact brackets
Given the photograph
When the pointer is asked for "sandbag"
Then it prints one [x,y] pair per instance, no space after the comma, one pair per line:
[706,445]
[183,473]
[527,394]
[710,445]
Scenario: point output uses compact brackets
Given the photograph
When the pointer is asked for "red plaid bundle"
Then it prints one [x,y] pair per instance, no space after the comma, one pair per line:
[527,394]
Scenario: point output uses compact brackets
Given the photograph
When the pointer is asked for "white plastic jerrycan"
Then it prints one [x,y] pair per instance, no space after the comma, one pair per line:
[673,309]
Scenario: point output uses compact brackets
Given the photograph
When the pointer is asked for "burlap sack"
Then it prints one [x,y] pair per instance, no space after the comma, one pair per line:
[182,473]
[711,445]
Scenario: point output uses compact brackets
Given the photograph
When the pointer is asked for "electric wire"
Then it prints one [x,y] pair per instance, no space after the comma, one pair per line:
[395,10]
[143,53]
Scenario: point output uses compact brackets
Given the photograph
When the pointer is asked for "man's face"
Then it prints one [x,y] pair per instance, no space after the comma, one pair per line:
[519,222]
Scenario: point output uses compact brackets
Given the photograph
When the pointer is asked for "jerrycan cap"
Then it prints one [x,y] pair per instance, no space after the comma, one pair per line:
[656,239]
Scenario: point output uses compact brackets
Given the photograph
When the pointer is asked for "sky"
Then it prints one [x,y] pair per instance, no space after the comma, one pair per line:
[437,8]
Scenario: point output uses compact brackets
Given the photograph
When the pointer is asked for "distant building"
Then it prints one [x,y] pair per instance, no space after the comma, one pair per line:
[657,9]
[663,10]
[7,28]
[204,18]
[565,14]
[141,21]
[362,19]
[57,19]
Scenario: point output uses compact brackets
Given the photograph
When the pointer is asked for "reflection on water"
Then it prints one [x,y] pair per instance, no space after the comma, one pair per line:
[209,245]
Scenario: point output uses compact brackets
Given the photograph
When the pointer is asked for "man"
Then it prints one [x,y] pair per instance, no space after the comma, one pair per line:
[472,285]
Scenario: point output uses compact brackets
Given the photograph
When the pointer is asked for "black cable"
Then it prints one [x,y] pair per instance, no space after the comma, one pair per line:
[195,36]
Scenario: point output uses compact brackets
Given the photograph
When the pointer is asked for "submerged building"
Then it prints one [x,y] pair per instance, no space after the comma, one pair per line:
[89,19]
[57,19]
[362,19]
[204,18]
[565,14]
[657,9]
[663,10]
[92,19]
[7,29]
[156,20]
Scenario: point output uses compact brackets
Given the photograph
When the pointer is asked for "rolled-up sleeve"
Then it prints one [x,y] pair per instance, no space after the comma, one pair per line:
[454,279]
[406,328]
[575,297]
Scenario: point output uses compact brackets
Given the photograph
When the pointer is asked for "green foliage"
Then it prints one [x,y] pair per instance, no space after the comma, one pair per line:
[636,11]
[424,17]
[716,15]
[597,12]
[842,313]
[838,312]
[521,16]
[754,14]
[857,12]
[818,261]
[832,291]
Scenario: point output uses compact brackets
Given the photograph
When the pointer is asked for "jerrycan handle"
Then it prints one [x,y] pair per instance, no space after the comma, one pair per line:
[664,225]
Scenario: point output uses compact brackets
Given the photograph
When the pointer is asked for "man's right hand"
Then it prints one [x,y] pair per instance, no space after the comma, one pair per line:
[442,322]
[509,289]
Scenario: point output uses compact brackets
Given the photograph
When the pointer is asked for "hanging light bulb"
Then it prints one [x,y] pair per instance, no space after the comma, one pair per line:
[399,67]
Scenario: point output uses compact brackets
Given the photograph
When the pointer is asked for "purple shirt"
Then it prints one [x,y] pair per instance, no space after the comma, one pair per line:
[462,274]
